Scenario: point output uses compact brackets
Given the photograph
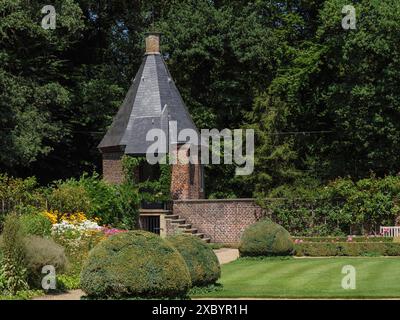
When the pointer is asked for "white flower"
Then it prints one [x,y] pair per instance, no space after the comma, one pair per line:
[80,228]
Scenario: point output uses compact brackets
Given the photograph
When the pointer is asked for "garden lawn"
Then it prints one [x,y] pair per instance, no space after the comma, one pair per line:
[376,277]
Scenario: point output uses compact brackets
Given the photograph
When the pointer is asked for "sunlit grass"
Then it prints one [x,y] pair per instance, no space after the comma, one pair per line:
[309,278]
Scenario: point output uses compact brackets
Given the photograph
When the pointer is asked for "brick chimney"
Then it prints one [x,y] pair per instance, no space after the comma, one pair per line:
[153,43]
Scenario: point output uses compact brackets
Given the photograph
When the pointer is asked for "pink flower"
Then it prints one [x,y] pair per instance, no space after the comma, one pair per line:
[111,231]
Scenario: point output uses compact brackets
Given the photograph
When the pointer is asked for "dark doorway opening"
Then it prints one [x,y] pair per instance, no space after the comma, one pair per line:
[150,223]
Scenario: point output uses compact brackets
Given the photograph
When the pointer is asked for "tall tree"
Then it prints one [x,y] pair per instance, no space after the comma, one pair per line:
[336,99]
[32,79]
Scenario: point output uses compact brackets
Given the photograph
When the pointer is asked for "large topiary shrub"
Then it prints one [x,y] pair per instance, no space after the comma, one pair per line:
[201,260]
[265,238]
[135,264]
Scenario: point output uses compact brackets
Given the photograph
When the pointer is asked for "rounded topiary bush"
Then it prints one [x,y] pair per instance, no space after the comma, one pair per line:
[201,260]
[265,238]
[135,264]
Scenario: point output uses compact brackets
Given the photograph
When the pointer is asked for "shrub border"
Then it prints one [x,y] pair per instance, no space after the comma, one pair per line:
[352,249]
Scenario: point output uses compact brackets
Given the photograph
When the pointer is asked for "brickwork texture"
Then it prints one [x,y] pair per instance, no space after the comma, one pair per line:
[112,167]
[222,220]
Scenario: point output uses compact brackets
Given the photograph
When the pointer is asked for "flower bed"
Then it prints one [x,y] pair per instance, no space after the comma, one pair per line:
[78,235]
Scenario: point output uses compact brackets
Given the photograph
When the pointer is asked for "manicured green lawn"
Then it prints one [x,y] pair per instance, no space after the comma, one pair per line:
[309,278]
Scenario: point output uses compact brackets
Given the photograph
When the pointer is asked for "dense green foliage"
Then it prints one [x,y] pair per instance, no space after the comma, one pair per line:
[32,79]
[281,68]
[265,238]
[68,282]
[156,188]
[113,204]
[201,260]
[23,295]
[342,207]
[339,89]
[14,262]
[36,225]
[135,264]
[329,249]
[323,101]
[19,195]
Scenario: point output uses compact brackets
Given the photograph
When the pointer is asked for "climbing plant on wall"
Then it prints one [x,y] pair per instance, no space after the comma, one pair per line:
[151,191]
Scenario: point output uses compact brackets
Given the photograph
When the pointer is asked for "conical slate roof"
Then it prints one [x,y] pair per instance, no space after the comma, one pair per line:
[151,101]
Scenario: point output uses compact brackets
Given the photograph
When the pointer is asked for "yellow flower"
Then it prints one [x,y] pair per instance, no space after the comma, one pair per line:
[52,216]
[74,218]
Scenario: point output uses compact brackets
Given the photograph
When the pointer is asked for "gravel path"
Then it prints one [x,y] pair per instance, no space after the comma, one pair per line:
[224,255]
[70,295]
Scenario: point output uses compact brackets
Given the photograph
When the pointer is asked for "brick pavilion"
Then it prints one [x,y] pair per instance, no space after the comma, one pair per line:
[152,102]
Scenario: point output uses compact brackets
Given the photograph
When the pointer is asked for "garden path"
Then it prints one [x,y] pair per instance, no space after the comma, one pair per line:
[226,255]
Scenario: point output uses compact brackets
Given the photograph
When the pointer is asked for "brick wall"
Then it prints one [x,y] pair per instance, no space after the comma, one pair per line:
[112,167]
[171,228]
[185,178]
[221,220]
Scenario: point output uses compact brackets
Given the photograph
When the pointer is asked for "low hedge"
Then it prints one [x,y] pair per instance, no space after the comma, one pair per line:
[201,260]
[325,249]
[135,264]
[344,239]
[265,238]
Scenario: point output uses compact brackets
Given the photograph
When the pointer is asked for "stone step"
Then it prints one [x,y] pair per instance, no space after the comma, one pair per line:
[187,228]
[172,216]
[200,235]
[184,226]
[155,211]
[191,230]
[179,221]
